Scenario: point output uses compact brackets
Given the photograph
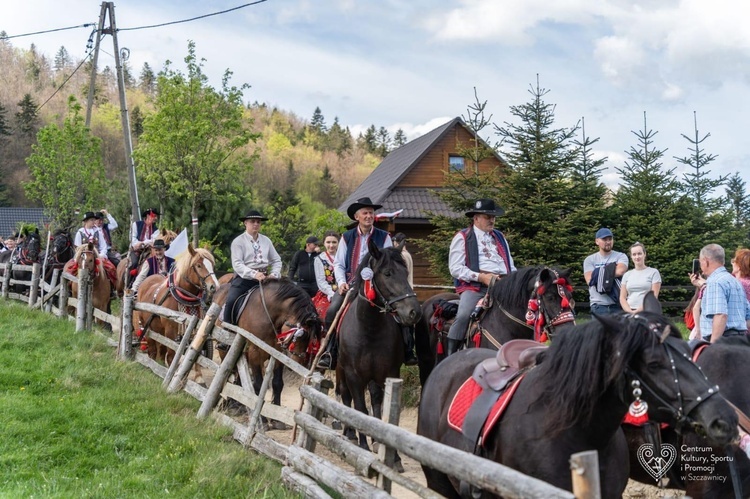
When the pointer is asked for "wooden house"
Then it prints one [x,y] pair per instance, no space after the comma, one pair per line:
[408,179]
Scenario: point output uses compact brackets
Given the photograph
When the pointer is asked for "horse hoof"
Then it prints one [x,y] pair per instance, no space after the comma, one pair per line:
[398,466]
[336,424]
[278,425]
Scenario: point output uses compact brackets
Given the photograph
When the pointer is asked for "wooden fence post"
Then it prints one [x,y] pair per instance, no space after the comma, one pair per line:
[52,284]
[188,361]
[64,294]
[125,347]
[584,470]
[83,282]
[36,270]
[255,416]
[180,351]
[391,415]
[317,382]
[90,302]
[6,279]
[222,373]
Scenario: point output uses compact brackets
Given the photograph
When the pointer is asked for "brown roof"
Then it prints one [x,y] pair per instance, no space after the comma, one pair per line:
[381,185]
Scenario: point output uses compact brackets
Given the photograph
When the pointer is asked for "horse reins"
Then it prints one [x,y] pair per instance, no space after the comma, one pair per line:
[387,307]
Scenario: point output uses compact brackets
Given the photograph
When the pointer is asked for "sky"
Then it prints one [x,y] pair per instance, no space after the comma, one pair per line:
[414,64]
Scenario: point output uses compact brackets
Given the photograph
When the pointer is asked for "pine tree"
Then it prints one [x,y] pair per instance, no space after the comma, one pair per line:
[383,142]
[147,79]
[399,139]
[62,59]
[697,181]
[27,118]
[318,122]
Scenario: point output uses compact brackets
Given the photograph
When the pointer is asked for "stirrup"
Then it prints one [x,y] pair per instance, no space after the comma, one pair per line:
[325,360]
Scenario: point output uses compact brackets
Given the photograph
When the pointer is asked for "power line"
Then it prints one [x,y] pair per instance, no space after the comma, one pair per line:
[8,37]
[88,56]
[193,18]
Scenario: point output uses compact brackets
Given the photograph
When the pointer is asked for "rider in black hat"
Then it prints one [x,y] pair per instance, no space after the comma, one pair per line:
[253,254]
[143,233]
[478,254]
[90,233]
[158,263]
[352,249]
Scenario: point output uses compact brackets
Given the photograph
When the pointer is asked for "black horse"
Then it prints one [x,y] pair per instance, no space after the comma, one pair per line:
[727,364]
[371,346]
[576,398]
[59,253]
[506,318]
[27,253]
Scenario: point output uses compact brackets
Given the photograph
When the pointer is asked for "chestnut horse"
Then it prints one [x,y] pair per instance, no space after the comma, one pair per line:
[87,257]
[189,287]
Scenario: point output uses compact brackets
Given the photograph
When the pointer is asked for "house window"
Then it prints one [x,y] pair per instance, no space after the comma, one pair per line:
[455,163]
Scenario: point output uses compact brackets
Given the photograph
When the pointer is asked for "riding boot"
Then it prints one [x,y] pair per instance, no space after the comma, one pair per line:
[410,358]
[453,346]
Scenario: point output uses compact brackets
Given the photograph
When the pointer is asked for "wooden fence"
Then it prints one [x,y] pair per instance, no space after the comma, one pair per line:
[304,471]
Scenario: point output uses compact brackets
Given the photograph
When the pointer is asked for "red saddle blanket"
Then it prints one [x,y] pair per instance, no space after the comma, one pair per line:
[465,397]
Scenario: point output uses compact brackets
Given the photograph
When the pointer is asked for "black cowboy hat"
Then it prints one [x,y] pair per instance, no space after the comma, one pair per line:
[149,211]
[253,214]
[88,214]
[486,207]
[361,203]
[159,243]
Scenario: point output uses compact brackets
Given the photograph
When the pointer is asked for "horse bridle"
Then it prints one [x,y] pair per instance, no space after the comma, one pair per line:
[387,307]
[181,295]
[681,414]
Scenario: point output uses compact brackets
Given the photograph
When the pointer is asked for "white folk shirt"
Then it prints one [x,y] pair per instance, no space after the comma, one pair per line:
[250,256]
[84,236]
[490,259]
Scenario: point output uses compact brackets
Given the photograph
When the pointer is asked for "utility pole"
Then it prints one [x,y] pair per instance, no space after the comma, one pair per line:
[109,8]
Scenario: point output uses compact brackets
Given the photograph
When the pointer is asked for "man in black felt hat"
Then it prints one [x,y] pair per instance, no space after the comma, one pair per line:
[157,263]
[90,233]
[254,259]
[478,254]
[352,249]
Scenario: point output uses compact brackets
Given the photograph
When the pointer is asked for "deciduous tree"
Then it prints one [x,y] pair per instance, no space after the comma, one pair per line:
[193,142]
[66,169]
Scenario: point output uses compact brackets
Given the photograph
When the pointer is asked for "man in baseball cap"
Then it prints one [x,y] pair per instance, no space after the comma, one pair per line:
[602,271]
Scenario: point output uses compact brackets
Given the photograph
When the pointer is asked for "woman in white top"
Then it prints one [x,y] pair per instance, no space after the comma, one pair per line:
[324,265]
[638,281]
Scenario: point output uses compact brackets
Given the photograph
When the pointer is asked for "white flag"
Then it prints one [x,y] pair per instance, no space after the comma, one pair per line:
[179,245]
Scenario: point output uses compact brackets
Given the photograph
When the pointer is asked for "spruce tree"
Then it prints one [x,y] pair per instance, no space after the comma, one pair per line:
[147,79]
[318,122]
[697,181]
[370,140]
[27,118]
[62,59]
[477,150]
[399,138]
[535,191]
[383,142]
[738,200]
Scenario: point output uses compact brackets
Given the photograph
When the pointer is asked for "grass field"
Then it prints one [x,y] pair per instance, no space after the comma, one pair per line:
[74,422]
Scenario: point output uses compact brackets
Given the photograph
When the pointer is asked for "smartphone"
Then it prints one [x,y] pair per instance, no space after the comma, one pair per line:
[696,266]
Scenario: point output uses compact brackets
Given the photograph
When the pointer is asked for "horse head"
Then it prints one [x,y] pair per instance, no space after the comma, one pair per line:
[61,248]
[301,320]
[31,247]
[389,288]
[551,305]
[86,257]
[200,272]
[657,366]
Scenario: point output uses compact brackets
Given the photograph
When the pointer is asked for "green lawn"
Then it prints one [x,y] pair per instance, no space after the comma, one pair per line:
[74,422]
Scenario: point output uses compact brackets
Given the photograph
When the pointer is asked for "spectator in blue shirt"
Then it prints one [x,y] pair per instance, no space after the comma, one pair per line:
[725,310]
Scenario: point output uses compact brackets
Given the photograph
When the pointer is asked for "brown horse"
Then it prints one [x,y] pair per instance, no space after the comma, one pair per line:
[188,288]
[166,235]
[281,314]
[87,257]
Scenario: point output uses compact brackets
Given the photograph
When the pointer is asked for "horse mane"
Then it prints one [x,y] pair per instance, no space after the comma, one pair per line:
[583,363]
[389,255]
[284,289]
[507,290]
[186,261]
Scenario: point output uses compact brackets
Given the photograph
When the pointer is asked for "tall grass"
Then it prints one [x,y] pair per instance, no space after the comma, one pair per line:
[74,422]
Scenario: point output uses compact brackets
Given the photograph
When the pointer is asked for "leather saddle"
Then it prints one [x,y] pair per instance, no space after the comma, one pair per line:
[512,357]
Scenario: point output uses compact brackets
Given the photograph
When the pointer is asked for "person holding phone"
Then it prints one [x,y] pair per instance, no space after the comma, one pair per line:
[638,281]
